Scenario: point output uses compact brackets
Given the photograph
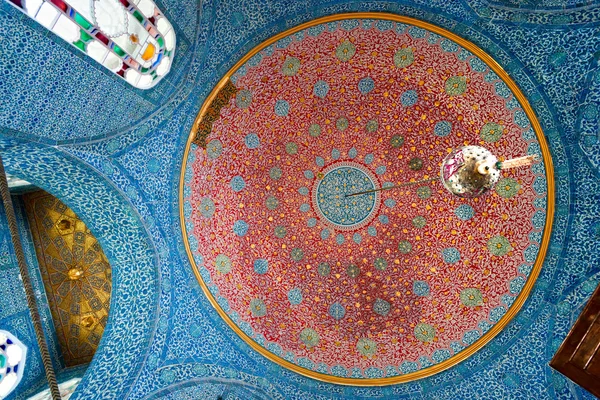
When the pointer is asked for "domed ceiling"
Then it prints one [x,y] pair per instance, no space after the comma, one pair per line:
[382,287]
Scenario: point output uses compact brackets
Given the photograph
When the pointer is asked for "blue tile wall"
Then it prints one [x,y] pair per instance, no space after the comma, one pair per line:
[130,251]
[52,88]
[14,313]
[164,340]
[547,12]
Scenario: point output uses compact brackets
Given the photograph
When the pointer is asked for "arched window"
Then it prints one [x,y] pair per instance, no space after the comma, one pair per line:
[12,362]
[132,38]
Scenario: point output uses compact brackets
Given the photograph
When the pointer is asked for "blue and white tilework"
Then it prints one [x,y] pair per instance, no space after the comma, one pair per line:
[14,314]
[163,339]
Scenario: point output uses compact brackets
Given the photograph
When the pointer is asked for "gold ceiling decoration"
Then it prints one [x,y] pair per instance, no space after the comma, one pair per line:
[76,275]
[203,126]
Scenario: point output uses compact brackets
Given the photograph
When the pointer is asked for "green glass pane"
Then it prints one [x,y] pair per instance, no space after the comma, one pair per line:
[2,361]
[119,51]
[161,41]
[153,74]
[144,70]
[138,16]
[80,45]
[82,21]
[86,37]
[168,53]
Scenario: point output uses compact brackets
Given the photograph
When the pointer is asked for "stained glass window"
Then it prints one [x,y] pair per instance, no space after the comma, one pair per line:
[12,362]
[132,38]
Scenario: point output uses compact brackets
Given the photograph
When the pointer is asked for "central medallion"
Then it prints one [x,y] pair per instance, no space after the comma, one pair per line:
[330,200]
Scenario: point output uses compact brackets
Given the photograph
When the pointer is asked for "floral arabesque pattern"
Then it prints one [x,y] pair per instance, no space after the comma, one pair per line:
[417,254]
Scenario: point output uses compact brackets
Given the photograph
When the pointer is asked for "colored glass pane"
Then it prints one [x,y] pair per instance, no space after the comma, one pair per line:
[80,45]
[136,38]
[102,38]
[86,37]
[138,16]
[82,21]
[60,4]
[119,51]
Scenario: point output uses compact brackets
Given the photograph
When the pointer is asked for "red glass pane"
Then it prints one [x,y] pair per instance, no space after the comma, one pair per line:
[17,3]
[102,38]
[61,5]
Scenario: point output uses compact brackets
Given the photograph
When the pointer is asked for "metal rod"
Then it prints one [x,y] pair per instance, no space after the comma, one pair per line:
[393,187]
[29,293]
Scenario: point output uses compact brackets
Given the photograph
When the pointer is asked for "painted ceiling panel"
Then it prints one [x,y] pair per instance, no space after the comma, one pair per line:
[76,275]
[383,283]
[172,335]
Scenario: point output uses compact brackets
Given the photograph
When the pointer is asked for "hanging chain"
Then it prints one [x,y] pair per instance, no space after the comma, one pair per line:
[394,187]
[29,293]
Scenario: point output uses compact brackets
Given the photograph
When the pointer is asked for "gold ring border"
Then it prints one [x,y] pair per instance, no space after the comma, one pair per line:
[519,301]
